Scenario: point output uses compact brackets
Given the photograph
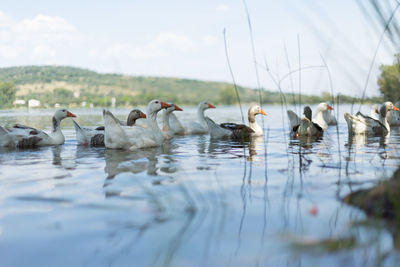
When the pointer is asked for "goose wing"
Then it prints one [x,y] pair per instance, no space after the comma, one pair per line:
[239,131]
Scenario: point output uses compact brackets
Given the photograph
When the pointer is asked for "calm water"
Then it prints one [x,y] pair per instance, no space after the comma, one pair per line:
[193,202]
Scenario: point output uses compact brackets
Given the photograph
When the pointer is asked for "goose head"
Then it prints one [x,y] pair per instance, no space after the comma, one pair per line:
[253,111]
[324,107]
[133,116]
[62,114]
[386,107]
[205,105]
[172,108]
[307,112]
[155,106]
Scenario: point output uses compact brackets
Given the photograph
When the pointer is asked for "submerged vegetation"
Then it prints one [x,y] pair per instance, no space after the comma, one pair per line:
[70,86]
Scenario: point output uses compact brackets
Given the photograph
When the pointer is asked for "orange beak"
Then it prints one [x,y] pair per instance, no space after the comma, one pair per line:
[165,105]
[211,106]
[69,114]
[177,108]
[263,113]
[142,115]
[329,107]
[394,108]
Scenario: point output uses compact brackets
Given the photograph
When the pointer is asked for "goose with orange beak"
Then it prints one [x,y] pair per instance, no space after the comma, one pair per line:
[238,131]
[22,136]
[135,137]
[199,126]
[167,130]
[323,115]
[362,124]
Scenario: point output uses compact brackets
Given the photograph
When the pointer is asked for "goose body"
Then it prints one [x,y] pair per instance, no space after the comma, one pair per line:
[199,126]
[95,137]
[167,131]
[134,137]
[22,136]
[374,112]
[323,116]
[362,124]
[237,131]
[176,125]
[293,118]
[306,127]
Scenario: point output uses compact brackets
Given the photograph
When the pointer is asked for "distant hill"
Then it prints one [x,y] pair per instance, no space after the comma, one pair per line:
[71,86]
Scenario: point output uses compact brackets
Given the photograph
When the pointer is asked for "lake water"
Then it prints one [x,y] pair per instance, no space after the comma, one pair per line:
[194,201]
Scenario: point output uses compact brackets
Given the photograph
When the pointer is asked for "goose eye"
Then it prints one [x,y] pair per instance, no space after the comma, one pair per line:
[156,102]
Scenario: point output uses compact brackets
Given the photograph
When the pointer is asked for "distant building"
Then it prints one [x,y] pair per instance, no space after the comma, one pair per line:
[33,103]
[19,102]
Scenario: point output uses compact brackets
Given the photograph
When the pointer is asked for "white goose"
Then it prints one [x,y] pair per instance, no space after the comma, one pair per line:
[135,137]
[167,130]
[22,136]
[323,116]
[237,131]
[95,137]
[199,126]
[306,127]
[361,124]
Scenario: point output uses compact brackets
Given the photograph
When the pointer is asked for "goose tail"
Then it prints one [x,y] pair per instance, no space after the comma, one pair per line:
[215,130]
[80,134]
[293,118]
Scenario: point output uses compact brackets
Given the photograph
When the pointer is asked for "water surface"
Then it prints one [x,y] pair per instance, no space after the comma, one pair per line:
[193,201]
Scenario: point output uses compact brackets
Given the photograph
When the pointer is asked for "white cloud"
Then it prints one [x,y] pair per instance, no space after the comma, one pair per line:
[43,24]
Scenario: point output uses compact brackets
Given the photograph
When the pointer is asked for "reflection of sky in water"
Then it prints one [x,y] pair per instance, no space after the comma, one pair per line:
[192,202]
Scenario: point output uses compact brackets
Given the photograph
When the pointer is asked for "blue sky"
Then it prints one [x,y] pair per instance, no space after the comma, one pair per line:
[179,38]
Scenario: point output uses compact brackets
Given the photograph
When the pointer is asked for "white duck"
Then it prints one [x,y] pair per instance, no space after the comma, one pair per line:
[361,124]
[323,116]
[306,127]
[22,136]
[237,131]
[135,137]
[95,137]
[167,130]
[199,126]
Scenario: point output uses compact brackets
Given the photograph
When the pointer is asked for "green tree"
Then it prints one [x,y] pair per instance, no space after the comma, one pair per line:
[7,94]
[227,95]
[389,81]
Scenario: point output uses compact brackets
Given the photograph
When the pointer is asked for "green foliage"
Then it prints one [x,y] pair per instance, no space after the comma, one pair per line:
[7,94]
[98,89]
[227,95]
[389,81]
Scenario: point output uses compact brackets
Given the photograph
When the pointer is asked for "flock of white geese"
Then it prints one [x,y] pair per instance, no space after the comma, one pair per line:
[117,134]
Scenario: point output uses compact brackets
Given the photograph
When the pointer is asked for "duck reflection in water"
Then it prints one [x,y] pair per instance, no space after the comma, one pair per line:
[149,160]
[119,161]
